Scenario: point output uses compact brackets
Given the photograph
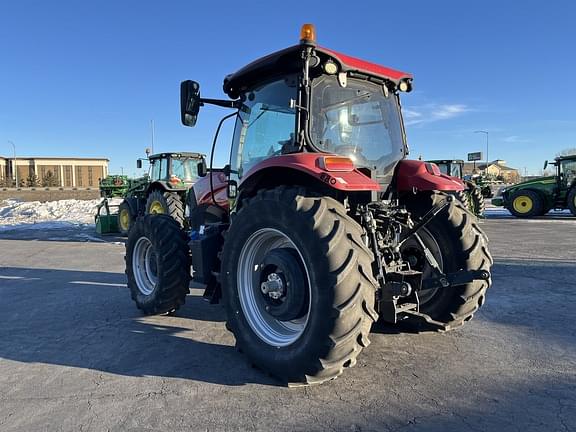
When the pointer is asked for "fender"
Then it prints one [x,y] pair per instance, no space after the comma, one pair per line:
[308,163]
[202,189]
[424,176]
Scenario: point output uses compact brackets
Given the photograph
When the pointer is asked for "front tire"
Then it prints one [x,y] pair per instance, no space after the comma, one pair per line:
[525,203]
[157,264]
[126,218]
[457,243]
[319,318]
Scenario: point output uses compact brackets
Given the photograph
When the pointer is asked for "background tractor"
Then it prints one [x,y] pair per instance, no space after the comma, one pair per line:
[472,194]
[318,226]
[163,190]
[536,197]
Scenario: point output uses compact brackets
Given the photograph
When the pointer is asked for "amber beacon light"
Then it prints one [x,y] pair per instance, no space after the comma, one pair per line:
[308,33]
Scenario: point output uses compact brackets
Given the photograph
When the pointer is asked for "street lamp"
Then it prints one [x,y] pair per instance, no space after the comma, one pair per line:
[15,167]
[486,133]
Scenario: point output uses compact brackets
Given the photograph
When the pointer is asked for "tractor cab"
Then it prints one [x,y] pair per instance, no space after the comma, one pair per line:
[453,168]
[175,170]
[566,173]
[316,110]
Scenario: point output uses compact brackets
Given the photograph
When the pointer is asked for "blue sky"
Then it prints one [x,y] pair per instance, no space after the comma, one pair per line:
[85,78]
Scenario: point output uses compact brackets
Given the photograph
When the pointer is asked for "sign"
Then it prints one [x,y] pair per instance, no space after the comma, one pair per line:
[474,156]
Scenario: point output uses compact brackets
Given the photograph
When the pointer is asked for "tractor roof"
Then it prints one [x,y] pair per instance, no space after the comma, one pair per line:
[177,155]
[569,157]
[289,60]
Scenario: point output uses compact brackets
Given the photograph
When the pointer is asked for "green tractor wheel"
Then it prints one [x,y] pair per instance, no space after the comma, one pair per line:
[525,204]
[168,203]
[126,218]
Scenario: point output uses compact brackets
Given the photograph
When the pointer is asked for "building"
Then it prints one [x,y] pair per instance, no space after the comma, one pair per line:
[54,171]
[496,169]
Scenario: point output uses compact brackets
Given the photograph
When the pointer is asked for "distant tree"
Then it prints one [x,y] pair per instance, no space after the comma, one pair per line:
[50,180]
[567,152]
[32,181]
[7,182]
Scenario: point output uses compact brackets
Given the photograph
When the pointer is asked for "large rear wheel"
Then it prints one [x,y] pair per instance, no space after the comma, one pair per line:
[157,264]
[457,243]
[476,202]
[297,285]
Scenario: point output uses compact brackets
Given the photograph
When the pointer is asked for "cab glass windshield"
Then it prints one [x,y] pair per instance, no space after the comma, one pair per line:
[186,169]
[358,121]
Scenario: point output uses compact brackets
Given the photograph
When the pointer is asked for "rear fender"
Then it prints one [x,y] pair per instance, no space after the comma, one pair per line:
[415,176]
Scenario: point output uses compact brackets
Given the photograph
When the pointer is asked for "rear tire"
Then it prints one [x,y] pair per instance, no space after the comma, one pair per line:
[457,243]
[334,286]
[461,196]
[168,203]
[525,204]
[157,264]
[476,202]
[572,200]
[126,218]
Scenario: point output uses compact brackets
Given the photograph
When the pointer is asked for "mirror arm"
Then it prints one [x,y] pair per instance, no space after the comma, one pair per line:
[222,102]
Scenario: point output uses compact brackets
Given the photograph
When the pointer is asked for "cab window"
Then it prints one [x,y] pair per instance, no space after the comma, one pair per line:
[266,124]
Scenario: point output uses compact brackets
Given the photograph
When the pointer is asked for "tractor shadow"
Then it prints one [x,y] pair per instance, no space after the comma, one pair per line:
[58,231]
[543,287]
[87,320]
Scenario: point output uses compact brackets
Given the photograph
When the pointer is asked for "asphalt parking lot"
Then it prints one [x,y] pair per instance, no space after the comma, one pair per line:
[76,355]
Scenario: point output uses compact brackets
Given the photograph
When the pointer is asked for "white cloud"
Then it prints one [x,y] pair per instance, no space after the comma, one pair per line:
[513,139]
[433,112]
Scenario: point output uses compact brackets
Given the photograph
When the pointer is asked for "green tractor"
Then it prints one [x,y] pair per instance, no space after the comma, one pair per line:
[472,195]
[163,190]
[538,196]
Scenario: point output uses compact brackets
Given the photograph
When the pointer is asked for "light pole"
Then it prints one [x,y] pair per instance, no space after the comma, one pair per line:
[486,133]
[152,131]
[15,167]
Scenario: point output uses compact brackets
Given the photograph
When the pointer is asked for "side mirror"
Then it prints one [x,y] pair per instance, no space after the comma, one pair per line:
[202,169]
[545,164]
[189,102]
[139,163]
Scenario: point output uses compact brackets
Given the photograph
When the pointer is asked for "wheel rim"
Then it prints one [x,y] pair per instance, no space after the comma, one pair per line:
[145,266]
[156,207]
[413,253]
[124,219]
[523,204]
[250,288]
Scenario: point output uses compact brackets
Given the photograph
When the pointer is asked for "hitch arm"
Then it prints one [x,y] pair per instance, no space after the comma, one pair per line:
[461,277]
[431,214]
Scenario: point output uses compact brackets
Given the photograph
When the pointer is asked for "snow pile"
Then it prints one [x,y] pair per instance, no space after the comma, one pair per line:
[46,215]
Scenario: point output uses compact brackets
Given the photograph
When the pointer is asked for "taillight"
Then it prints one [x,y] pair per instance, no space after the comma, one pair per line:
[336,163]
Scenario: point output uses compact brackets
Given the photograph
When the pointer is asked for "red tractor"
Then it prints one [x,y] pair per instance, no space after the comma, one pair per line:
[318,227]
